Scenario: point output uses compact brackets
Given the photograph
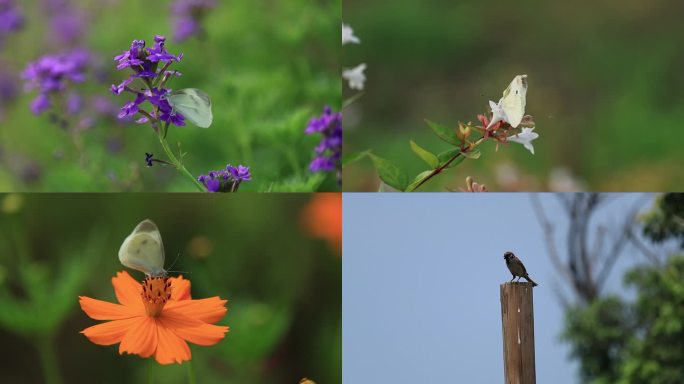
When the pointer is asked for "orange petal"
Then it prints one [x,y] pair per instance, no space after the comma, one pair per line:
[141,338]
[103,310]
[127,290]
[205,334]
[180,288]
[170,348]
[193,330]
[209,310]
[110,332]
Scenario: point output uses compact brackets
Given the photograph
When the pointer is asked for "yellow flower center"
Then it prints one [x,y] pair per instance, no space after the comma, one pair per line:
[155,293]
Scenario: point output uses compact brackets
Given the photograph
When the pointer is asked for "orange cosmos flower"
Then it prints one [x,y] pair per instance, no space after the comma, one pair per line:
[322,217]
[156,318]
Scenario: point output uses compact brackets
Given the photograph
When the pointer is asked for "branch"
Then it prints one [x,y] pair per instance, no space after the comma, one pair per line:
[548,230]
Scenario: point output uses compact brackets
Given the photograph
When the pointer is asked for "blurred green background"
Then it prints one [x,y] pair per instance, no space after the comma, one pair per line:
[605,88]
[269,66]
[283,285]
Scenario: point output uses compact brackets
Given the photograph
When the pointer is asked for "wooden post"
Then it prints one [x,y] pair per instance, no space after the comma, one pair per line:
[517,320]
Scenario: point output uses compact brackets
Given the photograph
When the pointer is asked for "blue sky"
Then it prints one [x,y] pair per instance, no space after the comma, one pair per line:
[421,275]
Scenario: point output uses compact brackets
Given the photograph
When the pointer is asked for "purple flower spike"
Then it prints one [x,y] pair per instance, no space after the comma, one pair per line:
[329,149]
[51,75]
[240,173]
[188,16]
[225,180]
[145,65]
[40,104]
[10,19]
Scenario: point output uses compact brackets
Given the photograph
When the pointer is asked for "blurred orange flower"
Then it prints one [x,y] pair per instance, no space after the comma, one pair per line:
[323,218]
[157,317]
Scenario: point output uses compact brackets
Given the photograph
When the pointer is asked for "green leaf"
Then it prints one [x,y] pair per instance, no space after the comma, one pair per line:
[353,157]
[390,173]
[444,133]
[418,179]
[446,155]
[474,154]
[427,156]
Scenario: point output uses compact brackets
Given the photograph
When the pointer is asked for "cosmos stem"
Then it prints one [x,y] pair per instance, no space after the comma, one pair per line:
[48,359]
[191,372]
[149,371]
[179,166]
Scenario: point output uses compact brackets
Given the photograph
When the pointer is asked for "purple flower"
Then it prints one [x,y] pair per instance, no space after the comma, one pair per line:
[8,87]
[74,103]
[188,16]
[144,62]
[10,19]
[225,180]
[173,118]
[329,149]
[68,22]
[51,74]
[68,26]
[8,91]
[240,173]
[131,107]
[40,104]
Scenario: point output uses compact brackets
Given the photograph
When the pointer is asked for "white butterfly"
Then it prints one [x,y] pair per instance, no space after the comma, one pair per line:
[143,250]
[194,104]
[511,107]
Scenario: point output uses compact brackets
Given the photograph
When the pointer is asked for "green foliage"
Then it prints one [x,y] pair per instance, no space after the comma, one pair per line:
[283,285]
[633,342]
[657,356]
[599,333]
[666,222]
[603,112]
[449,154]
[444,133]
[431,159]
[268,67]
[640,341]
[45,289]
[389,173]
[394,176]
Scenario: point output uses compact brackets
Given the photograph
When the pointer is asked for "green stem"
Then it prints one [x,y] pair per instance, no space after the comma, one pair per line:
[191,372]
[149,370]
[48,359]
[439,170]
[179,166]
[350,100]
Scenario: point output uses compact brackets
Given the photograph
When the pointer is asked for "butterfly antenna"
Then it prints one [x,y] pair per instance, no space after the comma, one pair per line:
[174,263]
[175,260]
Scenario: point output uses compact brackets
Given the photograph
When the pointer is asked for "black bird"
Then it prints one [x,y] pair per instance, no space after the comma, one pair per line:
[517,268]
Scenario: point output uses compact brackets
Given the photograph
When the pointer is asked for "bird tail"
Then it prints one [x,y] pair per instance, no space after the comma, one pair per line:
[531,281]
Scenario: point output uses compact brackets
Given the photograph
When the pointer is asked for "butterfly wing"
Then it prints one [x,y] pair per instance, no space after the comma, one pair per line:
[514,99]
[143,250]
[194,104]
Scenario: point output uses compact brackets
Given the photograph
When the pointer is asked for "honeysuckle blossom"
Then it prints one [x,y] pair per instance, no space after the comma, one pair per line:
[498,113]
[355,76]
[525,138]
[472,186]
[348,35]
